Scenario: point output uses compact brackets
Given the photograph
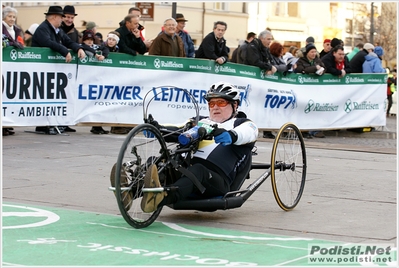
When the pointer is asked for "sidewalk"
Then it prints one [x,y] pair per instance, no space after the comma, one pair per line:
[387,132]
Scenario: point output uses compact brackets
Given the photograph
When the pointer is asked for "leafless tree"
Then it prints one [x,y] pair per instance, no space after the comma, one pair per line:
[386,29]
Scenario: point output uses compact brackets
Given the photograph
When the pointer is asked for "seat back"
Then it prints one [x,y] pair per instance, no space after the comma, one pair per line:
[242,175]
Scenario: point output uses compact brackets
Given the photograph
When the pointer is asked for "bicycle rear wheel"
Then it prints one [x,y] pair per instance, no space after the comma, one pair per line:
[137,153]
[288,166]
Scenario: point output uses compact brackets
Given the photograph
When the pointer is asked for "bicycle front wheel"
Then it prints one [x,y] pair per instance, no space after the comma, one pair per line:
[137,153]
[288,166]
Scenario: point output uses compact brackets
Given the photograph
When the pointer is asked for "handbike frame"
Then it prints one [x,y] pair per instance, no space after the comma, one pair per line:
[287,170]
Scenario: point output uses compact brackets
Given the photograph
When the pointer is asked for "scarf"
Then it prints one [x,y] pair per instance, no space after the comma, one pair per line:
[10,30]
[67,28]
[340,65]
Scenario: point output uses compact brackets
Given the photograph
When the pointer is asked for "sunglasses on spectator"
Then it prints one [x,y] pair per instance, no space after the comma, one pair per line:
[219,103]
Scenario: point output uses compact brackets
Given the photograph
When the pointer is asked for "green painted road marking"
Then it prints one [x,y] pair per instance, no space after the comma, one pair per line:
[42,236]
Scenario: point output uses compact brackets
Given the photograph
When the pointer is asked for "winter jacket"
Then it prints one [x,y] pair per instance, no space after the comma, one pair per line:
[212,49]
[12,41]
[188,44]
[279,63]
[162,45]
[330,65]
[304,66]
[45,36]
[129,43]
[357,61]
[258,55]
[72,32]
[351,54]
[372,64]
[91,50]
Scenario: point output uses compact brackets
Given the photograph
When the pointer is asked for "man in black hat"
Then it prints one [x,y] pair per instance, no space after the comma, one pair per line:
[68,26]
[48,34]
[187,41]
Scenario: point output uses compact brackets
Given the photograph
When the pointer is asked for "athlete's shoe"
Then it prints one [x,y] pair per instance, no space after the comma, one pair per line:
[151,200]
[127,196]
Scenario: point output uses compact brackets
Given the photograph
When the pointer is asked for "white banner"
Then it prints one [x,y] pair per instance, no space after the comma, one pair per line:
[55,93]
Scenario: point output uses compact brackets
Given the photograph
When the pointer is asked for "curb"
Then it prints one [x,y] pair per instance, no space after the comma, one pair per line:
[366,135]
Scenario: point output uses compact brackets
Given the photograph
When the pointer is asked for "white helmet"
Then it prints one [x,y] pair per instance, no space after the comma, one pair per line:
[223,90]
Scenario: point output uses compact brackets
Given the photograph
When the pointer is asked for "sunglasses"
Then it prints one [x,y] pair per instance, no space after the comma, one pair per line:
[219,103]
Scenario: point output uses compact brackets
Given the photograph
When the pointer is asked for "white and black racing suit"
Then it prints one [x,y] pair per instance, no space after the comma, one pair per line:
[216,165]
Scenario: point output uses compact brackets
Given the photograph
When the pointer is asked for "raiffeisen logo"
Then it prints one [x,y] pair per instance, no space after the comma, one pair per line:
[320,107]
[363,106]
[350,79]
[226,69]
[14,55]
[217,66]
[302,79]
[158,63]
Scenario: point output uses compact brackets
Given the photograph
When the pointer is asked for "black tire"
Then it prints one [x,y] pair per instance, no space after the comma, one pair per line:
[288,166]
[137,153]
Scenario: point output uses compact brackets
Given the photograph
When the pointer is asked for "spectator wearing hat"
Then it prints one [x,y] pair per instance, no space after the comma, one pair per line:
[48,34]
[310,63]
[92,50]
[372,63]
[336,63]
[12,34]
[302,51]
[168,43]
[29,33]
[358,60]
[112,41]
[100,37]
[213,46]
[326,47]
[91,26]
[130,40]
[355,50]
[68,25]
[187,41]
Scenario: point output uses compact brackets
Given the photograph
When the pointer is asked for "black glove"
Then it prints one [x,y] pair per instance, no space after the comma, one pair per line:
[17,45]
[153,122]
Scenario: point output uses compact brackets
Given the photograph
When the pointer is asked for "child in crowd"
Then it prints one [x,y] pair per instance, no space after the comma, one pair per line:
[92,50]
[112,41]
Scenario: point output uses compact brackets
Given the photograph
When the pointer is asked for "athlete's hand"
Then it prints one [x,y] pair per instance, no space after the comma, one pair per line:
[222,136]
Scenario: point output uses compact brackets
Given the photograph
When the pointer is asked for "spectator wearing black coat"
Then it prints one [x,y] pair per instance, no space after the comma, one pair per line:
[130,41]
[68,26]
[360,57]
[336,62]
[258,53]
[213,46]
[49,34]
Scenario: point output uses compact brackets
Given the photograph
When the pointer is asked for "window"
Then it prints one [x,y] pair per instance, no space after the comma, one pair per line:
[293,9]
[220,6]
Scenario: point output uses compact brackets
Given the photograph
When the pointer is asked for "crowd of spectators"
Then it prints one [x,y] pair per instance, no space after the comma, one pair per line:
[59,33]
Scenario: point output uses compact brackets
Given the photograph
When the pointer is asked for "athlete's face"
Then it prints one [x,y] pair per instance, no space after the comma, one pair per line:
[220,110]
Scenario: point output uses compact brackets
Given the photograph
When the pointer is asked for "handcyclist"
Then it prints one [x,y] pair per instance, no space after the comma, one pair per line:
[216,163]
